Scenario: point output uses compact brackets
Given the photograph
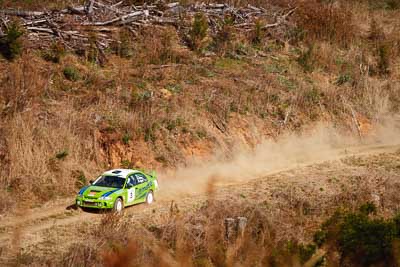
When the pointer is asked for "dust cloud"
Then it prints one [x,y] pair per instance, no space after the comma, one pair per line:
[322,143]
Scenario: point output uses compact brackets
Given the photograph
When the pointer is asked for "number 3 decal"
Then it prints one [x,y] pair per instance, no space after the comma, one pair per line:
[131,194]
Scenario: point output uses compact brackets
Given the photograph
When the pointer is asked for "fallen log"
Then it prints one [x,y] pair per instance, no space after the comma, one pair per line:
[33,22]
[37,29]
[122,18]
[21,13]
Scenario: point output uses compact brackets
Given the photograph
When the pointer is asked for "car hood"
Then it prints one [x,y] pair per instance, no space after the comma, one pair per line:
[98,191]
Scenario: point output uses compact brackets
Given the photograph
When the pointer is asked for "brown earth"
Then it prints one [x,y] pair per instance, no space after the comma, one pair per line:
[298,199]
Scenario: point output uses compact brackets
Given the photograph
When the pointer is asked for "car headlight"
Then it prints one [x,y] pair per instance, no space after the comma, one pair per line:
[105,198]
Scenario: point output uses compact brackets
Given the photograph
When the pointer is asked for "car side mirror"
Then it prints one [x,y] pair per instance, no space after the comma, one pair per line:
[129,186]
[91,182]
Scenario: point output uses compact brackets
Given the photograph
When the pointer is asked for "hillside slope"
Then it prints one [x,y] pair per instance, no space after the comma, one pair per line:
[214,96]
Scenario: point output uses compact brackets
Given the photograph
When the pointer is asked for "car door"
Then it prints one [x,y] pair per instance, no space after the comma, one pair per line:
[141,186]
[131,189]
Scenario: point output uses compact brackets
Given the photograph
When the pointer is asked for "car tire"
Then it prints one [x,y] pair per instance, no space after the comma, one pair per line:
[118,205]
[149,198]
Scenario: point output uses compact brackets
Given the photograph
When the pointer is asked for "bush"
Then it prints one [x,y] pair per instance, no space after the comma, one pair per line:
[93,54]
[10,44]
[155,45]
[306,60]
[71,73]
[62,154]
[54,54]
[343,78]
[306,252]
[222,41]
[370,239]
[383,51]
[80,178]
[124,46]
[198,31]
[126,138]
[257,33]
[368,208]
[361,239]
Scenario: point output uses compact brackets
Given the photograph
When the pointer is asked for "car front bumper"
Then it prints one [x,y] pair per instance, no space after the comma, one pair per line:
[94,203]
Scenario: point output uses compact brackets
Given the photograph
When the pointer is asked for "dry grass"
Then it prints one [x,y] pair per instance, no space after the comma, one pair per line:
[39,5]
[281,221]
[156,102]
[326,21]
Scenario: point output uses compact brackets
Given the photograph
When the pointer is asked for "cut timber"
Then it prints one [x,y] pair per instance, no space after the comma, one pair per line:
[37,29]
[122,18]
[21,13]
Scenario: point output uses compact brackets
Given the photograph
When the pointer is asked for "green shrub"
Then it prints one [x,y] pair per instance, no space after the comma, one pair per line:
[258,33]
[124,46]
[313,96]
[343,79]
[173,124]
[174,88]
[319,237]
[222,40]
[80,178]
[362,240]
[62,154]
[198,31]
[149,133]
[10,44]
[126,138]
[366,240]
[368,208]
[71,73]
[55,52]
[383,58]
[306,60]
[306,252]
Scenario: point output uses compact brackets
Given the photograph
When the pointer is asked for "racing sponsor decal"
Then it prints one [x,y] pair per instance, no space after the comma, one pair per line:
[143,191]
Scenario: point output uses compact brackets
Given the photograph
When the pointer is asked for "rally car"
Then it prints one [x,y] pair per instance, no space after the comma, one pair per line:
[119,188]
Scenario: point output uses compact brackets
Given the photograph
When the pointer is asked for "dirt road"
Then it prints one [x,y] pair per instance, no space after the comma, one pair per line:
[53,227]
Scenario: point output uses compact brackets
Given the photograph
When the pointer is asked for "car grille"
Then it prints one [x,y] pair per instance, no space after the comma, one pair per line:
[93,204]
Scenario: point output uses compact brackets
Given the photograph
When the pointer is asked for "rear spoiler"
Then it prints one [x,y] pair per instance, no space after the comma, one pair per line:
[151,173]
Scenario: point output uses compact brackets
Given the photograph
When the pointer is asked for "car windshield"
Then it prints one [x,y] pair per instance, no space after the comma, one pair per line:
[110,181]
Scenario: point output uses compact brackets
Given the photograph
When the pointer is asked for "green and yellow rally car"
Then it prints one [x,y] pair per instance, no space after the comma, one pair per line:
[116,189]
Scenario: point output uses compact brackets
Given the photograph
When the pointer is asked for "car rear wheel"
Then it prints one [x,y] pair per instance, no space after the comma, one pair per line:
[150,197]
[118,205]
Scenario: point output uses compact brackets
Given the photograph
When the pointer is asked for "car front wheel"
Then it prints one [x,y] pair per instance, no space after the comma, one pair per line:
[118,205]
[150,197]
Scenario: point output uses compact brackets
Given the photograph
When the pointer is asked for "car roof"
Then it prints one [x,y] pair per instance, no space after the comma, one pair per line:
[120,172]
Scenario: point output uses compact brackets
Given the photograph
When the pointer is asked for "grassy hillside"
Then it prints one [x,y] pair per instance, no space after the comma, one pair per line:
[156,99]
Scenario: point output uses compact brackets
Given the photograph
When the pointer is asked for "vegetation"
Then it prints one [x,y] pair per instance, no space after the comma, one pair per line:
[10,44]
[71,73]
[198,32]
[361,238]
[160,98]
